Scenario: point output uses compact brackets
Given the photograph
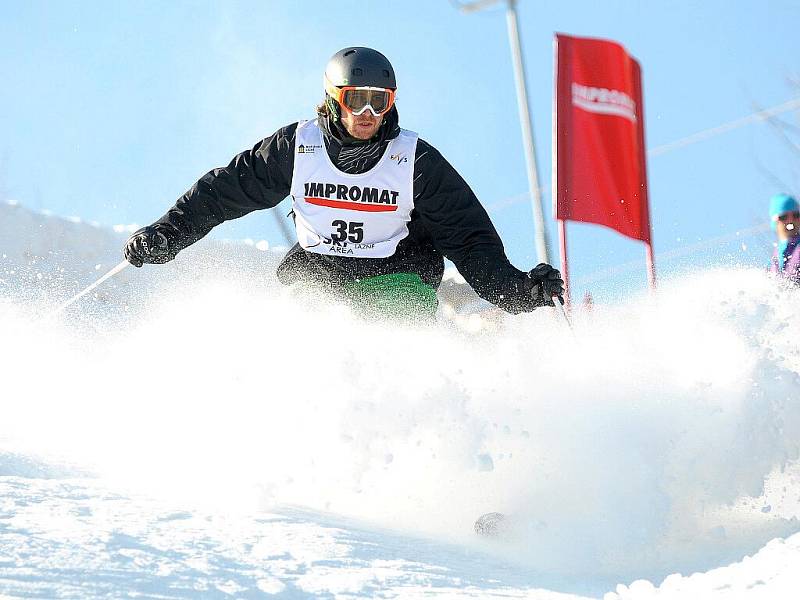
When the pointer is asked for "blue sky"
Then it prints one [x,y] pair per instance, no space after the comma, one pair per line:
[111,112]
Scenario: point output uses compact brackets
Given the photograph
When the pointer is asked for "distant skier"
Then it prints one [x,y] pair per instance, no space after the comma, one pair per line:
[375,208]
[784,212]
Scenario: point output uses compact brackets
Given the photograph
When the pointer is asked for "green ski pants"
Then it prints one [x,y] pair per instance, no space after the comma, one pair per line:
[401,296]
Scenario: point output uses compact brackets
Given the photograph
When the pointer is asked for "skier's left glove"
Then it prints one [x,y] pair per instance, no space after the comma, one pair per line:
[148,245]
[544,282]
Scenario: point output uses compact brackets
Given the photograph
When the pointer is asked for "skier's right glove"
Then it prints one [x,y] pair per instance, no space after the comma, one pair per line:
[544,283]
[148,245]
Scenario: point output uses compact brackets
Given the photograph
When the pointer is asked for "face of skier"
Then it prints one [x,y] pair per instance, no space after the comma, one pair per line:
[363,126]
[789,225]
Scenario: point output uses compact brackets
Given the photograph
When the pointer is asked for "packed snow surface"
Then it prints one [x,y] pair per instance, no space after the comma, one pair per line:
[198,430]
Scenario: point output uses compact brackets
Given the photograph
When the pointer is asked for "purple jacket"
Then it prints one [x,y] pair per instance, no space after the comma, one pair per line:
[791,256]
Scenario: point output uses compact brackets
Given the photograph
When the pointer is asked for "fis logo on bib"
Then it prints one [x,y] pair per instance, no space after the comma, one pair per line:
[399,158]
[308,149]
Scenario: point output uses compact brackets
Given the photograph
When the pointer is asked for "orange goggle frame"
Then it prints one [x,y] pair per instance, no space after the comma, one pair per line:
[357,99]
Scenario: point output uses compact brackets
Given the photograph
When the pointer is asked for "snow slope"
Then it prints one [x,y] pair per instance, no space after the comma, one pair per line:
[75,538]
[194,430]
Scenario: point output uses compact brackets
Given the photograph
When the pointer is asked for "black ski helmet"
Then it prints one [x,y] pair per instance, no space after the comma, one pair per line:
[360,66]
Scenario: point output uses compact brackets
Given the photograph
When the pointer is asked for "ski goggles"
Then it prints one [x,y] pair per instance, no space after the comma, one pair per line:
[792,214]
[356,100]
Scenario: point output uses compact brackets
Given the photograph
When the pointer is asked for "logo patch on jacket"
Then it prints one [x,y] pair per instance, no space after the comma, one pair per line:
[351,197]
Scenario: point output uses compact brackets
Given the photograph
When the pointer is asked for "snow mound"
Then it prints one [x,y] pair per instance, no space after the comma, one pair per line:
[639,447]
[661,437]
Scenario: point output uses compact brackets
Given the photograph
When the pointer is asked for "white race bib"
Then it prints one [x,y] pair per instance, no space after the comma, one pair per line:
[361,216]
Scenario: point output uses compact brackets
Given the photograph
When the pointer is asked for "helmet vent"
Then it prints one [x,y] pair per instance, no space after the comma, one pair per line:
[358,71]
[349,52]
[386,73]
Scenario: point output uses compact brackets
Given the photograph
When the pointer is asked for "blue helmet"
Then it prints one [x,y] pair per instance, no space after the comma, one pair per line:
[780,204]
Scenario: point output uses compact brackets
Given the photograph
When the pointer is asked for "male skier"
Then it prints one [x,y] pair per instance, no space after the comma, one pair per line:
[375,208]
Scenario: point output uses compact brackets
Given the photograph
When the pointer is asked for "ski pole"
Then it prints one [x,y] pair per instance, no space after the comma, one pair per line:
[111,273]
[560,309]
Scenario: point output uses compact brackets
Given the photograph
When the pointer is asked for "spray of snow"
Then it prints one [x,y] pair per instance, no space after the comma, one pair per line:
[663,436]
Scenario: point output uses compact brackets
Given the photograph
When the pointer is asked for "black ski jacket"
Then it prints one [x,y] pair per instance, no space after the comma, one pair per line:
[447,220]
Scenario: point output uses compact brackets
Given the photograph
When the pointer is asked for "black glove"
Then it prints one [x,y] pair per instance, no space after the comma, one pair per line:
[148,245]
[543,282]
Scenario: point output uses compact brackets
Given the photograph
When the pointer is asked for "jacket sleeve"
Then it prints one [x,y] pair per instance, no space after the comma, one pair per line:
[255,179]
[462,231]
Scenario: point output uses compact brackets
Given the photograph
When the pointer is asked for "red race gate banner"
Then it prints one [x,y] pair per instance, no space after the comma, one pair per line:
[599,137]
